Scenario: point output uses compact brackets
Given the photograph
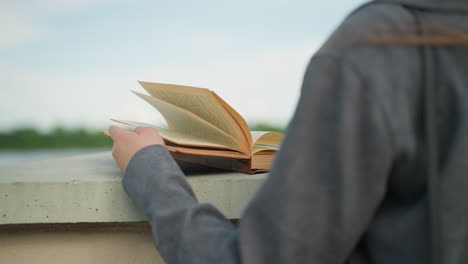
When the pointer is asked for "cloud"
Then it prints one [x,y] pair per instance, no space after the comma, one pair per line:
[17,28]
[261,86]
[21,21]
[259,77]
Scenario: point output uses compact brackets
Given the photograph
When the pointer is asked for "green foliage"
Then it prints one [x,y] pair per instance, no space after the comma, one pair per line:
[266,127]
[58,138]
[61,138]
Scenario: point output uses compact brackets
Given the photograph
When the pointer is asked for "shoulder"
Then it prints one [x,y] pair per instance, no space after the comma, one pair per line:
[386,73]
[377,64]
[373,20]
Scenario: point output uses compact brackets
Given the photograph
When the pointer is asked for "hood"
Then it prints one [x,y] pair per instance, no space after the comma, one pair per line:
[457,6]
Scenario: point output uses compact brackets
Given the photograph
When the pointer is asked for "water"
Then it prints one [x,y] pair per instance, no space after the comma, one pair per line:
[10,157]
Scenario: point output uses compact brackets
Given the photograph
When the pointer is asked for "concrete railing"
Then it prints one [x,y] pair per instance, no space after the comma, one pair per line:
[87,189]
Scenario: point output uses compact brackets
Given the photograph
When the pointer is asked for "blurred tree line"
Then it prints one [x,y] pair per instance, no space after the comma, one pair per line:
[30,138]
[266,127]
[61,138]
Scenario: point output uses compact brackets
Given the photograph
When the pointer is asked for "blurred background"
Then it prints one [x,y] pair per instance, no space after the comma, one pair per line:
[67,65]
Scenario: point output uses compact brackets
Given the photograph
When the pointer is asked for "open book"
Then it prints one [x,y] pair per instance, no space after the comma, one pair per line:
[204,129]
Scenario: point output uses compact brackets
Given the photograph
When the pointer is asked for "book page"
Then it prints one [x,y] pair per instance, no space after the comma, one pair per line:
[199,101]
[240,121]
[263,162]
[209,152]
[184,122]
[266,140]
[233,164]
[176,137]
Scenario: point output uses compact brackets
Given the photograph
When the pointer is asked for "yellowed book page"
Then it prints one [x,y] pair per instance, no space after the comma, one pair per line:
[266,140]
[209,152]
[185,122]
[240,165]
[199,101]
[262,162]
[239,119]
[176,137]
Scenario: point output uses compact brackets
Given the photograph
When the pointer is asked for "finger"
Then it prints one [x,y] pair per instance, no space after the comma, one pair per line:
[141,130]
[115,131]
[106,133]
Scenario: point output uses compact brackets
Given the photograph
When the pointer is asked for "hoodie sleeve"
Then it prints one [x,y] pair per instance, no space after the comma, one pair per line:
[184,230]
[325,185]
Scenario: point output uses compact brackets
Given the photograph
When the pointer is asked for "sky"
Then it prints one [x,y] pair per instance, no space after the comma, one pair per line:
[73,62]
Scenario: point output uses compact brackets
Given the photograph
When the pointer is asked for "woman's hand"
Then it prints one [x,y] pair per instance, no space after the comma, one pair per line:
[127,143]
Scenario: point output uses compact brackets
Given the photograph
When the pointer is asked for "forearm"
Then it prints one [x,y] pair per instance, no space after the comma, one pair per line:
[184,230]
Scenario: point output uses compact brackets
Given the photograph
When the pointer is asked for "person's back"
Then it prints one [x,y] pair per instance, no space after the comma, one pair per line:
[391,69]
[349,182]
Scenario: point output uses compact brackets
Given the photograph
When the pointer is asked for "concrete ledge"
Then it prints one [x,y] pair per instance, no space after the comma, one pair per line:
[101,243]
[87,188]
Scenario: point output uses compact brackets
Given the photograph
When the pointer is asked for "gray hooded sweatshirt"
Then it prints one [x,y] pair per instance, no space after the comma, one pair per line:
[349,183]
